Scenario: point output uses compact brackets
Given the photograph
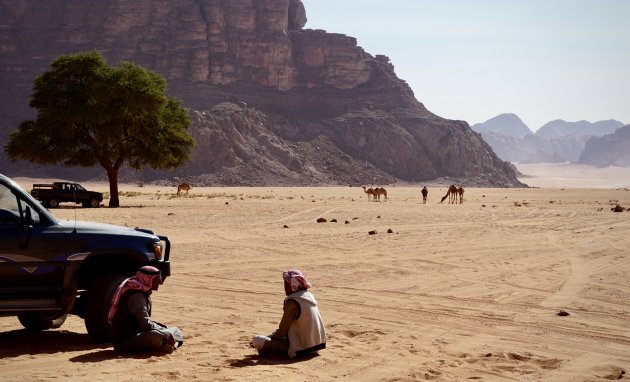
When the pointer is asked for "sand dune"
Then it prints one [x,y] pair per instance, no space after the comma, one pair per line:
[455,292]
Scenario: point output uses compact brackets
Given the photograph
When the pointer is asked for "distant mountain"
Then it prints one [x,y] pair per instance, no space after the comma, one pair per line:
[528,149]
[557,141]
[560,128]
[611,149]
[507,124]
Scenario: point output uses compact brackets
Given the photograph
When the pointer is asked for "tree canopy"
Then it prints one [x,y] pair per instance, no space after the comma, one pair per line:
[90,113]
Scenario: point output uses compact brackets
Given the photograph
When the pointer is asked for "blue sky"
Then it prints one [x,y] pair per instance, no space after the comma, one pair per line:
[474,59]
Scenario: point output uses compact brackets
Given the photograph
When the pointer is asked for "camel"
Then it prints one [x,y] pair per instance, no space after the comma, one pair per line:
[451,194]
[378,191]
[369,192]
[183,187]
[425,192]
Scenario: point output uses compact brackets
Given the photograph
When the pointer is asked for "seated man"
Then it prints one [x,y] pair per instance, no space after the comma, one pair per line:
[130,316]
[301,328]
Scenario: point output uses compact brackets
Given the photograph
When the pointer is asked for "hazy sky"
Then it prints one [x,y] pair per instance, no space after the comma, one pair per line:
[474,59]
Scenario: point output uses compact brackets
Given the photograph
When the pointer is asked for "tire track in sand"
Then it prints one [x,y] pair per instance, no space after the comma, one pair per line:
[575,282]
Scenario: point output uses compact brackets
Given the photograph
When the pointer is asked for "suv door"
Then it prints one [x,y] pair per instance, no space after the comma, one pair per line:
[32,253]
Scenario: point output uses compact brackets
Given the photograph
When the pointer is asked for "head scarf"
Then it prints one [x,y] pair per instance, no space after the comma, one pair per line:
[295,280]
[144,280]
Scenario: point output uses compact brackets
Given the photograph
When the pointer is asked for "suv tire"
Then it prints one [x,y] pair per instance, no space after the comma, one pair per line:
[99,299]
[37,321]
[53,203]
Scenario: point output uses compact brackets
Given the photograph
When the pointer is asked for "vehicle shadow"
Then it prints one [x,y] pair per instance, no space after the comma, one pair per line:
[21,342]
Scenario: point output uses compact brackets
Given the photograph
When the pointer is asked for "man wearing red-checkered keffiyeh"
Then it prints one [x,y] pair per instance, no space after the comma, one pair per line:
[133,330]
[301,330]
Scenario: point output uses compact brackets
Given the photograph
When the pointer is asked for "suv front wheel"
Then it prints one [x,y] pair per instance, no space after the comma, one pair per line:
[37,321]
[99,299]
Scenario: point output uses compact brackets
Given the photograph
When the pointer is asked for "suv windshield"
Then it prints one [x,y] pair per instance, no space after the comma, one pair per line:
[12,209]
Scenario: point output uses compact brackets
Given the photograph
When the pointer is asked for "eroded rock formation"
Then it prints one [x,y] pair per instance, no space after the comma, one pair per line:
[294,92]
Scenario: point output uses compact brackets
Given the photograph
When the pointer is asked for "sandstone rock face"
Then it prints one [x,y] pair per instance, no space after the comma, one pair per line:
[246,151]
[291,92]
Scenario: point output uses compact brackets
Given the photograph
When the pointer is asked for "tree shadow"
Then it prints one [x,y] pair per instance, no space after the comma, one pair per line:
[16,343]
[255,360]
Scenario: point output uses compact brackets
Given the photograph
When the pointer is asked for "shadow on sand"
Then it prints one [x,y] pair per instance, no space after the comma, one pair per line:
[20,342]
[16,343]
[255,360]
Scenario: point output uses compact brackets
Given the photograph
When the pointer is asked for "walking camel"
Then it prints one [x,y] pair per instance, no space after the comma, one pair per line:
[425,192]
[183,187]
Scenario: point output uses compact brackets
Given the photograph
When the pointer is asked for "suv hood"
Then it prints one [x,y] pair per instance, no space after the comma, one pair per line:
[84,227]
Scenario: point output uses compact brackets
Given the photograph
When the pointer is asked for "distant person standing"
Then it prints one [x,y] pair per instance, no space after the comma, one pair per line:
[425,192]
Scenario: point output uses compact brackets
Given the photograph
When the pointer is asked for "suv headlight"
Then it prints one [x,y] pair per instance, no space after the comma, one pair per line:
[157,250]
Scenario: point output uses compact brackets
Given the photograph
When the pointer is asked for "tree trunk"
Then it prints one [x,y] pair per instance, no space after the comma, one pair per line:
[112,175]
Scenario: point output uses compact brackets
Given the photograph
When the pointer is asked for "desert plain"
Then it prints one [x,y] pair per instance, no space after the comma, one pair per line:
[443,292]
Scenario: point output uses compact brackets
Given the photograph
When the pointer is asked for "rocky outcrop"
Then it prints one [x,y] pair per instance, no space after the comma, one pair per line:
[608,150]
[246,151]
[291,92]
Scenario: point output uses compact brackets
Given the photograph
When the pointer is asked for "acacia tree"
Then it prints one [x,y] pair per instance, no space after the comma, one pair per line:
[90,113]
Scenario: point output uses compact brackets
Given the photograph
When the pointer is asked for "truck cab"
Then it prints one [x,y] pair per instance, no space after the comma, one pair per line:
[51,194]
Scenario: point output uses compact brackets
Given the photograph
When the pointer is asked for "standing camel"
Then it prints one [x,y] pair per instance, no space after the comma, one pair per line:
[460,191]
[378,191]
[183,187]
[369,192]
[425,192]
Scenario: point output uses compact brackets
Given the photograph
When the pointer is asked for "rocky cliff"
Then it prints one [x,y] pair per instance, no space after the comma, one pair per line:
[273,103]
[608,150]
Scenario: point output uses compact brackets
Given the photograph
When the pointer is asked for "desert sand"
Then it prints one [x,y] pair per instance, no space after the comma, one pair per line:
[454,292]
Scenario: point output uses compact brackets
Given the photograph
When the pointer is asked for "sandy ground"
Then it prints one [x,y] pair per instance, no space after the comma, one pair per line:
[453,293]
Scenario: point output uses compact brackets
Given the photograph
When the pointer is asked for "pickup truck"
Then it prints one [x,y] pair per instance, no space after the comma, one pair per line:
[51,268]
[51,194]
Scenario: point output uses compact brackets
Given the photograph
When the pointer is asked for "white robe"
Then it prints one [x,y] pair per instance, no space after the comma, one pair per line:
[308,330]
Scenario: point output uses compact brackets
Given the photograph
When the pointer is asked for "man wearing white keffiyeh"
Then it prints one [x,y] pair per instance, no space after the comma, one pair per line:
[301,328]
